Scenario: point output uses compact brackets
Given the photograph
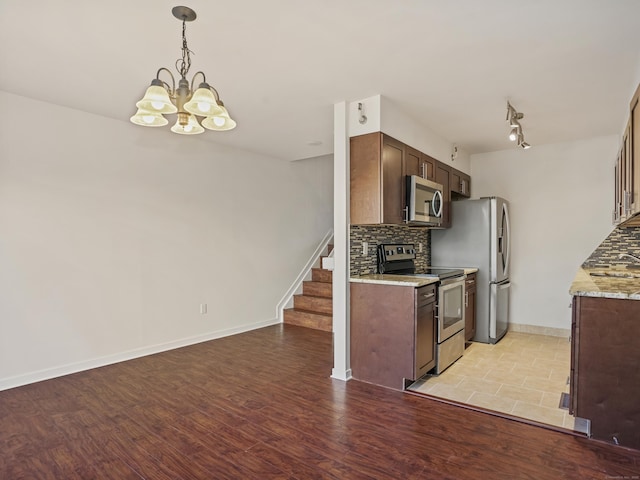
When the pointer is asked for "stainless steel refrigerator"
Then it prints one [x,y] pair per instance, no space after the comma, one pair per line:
[479,237]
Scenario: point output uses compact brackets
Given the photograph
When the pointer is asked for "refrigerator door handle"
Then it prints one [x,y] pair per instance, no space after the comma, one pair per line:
[505,211]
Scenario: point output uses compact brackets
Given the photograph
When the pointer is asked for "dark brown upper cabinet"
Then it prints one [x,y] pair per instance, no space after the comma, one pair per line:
[378,167]
[460,183]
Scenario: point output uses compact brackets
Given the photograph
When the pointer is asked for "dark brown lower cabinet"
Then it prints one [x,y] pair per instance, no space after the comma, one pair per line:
[393,333]
[470,307]
[605,367]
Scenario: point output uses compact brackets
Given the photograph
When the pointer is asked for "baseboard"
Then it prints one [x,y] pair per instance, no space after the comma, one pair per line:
[49,373]
[539,330]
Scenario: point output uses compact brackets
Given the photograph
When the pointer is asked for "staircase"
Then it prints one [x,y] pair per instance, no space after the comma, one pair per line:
[314,307]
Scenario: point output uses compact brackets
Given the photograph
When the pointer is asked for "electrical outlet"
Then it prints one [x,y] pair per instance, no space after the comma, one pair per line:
[365,248]
[203,308]
[420,247]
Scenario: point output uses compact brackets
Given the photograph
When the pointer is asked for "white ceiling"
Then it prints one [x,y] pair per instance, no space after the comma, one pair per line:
[280,65]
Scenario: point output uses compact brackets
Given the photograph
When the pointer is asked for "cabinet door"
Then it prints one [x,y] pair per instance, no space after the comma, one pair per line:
[443,175]
[606,368]
[393,184]
[634,151]
[626,159]
[460,183]
[412,162]
[465,185]
[470,307]
[575,347]
[428,167]
[456,181]
[365,179]
[425,338]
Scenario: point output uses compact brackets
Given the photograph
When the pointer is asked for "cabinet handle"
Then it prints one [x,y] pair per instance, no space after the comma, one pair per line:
[466,299]
[406,214]
[429,295]
[471,282]
[424,170]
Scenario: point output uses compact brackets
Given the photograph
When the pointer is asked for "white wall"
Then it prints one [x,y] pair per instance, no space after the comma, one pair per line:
[561,197]
[384,116]
[112,235]
[399,125]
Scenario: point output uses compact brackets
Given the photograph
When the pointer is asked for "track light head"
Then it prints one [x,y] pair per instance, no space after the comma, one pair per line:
[513,117]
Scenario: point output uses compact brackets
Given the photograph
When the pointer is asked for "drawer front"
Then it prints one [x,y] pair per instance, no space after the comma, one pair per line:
[426,295]
[470,282]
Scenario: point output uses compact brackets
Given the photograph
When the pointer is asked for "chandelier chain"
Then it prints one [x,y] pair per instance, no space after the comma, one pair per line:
[184,64]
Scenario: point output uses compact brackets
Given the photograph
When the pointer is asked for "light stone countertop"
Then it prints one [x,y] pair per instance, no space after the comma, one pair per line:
[607,282]
[403,280]
[467,270]
[400,280]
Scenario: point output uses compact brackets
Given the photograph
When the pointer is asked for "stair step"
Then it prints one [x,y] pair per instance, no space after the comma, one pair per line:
[317,321]
[313,304]
[317,289]
[321,275]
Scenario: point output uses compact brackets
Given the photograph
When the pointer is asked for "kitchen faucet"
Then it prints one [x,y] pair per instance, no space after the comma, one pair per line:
[627,255]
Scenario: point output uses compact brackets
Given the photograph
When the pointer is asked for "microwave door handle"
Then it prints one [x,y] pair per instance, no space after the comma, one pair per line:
[438,193]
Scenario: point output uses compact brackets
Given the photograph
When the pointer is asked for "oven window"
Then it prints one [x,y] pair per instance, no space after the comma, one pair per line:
[453,306]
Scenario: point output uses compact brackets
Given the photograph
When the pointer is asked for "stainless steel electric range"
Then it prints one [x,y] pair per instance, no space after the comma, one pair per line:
[399,259]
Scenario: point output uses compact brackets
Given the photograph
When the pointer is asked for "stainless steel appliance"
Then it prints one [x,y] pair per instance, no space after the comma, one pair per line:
[479,237]
[398,259]
[424,202]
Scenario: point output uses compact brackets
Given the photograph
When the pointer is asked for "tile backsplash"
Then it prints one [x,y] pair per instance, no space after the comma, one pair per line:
[377,234]
[620,240]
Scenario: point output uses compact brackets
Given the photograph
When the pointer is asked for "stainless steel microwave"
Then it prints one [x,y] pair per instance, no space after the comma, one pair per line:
[424,202]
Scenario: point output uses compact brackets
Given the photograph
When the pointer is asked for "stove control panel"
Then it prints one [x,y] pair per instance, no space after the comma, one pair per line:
[396,252]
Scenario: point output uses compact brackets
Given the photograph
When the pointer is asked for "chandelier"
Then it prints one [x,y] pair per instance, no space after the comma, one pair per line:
[514,117]
[162,99]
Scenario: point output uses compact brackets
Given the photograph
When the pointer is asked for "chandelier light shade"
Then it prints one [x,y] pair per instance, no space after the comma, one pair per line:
[163,99]
[220,122]
[187,125]
[516,134]
[149,119]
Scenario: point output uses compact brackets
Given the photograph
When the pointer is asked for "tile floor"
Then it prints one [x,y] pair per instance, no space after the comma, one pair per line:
[523,375]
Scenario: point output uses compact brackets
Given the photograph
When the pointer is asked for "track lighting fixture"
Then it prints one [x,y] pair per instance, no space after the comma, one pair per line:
[514,117]
[189,103]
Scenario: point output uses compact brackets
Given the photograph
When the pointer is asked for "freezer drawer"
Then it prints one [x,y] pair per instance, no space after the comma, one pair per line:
[499,310]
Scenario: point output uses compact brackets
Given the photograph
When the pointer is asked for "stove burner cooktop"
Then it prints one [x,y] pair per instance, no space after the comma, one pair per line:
[398,259]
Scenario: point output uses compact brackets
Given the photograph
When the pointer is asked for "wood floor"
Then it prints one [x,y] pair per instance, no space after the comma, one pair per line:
[261,405]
